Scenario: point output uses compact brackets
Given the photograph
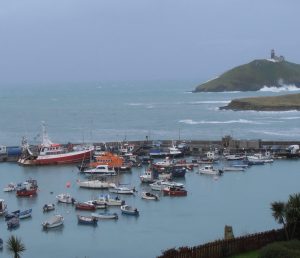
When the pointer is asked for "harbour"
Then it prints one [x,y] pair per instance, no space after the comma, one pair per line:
[199,217]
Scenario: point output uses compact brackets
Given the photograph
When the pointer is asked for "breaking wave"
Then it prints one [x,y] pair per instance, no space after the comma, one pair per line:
[239,121]
[210,102]
[280,89]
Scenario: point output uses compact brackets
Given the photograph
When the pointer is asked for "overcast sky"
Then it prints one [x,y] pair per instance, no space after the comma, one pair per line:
[96,40]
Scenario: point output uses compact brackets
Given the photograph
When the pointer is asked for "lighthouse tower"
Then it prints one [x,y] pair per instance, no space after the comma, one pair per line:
[272,54]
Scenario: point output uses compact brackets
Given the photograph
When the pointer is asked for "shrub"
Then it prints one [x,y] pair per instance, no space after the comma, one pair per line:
[289,249]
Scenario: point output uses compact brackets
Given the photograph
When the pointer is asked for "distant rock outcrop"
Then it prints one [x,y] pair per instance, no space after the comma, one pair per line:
[274,103]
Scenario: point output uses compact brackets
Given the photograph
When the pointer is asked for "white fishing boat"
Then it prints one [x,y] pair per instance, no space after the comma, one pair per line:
[53,222]
[48,207]
[257,157]
[95,184]
[149,196]
[65,198]
[106,199]
[122,190]
[97,204]
[129,210]
[101,170]
[209,170]
[104,216]
[10,187]
[159,185]
[147,177]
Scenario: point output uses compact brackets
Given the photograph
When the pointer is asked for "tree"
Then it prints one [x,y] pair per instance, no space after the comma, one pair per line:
[288,214]
[15,245]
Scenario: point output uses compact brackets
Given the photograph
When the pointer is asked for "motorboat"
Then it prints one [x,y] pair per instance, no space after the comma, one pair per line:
[65,198]
[10,215]
[3,207]
[85,206]
[260,157]
[147,177]
[49,207]
[13,223]
[159,185]
[101,170]
[87,220]
[122,190]
[106,199]
[50,153]
[129,210]
[209,170]
[174,191]
[149,196]
[53,222]
[97,204]
[95,184]
[25,214]
[10,187]
[100,216]
[27,189]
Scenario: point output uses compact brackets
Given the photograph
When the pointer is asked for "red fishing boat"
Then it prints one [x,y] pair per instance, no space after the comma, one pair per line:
[174,191]
[27,189]
[49,153]
[85,206]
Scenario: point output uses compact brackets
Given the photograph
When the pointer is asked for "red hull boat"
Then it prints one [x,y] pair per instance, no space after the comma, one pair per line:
[85,206]
[52,153]
[174,191]
[27,189]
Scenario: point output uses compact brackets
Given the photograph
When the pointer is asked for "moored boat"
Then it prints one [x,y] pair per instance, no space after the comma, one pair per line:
[106,199]
[13,223]
[65,198]
[149,196]
[209,170]
[95,184]
[25,214]
[10,215]
[53,222]
[87,220]
[159,185]
[50,153]
[174,191]
[122,190]
[10,187]
[85,206]
[97,204]
[100,216]
[48,207]
[27,189]
[129,210]
[101,170]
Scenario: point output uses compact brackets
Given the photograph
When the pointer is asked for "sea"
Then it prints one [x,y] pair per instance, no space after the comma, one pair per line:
[137,110]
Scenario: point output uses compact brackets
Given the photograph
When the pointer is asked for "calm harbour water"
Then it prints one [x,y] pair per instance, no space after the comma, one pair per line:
[114,111]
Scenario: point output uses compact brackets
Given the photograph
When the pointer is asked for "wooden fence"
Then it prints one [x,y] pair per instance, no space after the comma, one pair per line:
[226,248]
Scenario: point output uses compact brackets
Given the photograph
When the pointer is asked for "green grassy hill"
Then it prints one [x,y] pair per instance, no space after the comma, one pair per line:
[275,103]
[254,76]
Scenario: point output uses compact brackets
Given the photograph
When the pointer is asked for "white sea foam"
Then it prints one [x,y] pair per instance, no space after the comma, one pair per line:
[290,117]
[280,89]
[239,121]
